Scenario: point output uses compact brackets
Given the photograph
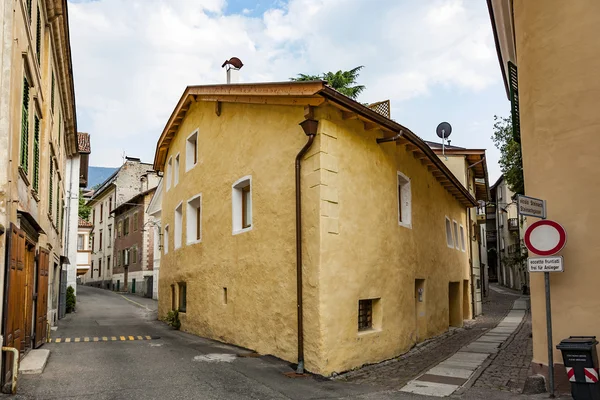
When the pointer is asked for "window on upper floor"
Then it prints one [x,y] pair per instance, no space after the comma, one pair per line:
[462,238]
[449,240]
[241,197]
[178,226]
[191,151]
[176,171]
[110,204]
[168,172]
[456,240]
[100,241]
[93,211]
[38,36]
[80,242]
[101,212]
[36,153]
[166,240]
[126,226]
[119,228]
[135,221]
[404,201]
[134,256]
[24,159]
[194,220]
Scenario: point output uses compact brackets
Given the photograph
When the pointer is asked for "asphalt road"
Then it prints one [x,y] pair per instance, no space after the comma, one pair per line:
[174,366]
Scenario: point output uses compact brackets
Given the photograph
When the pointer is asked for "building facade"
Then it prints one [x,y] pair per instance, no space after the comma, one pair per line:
[549,57]
[84,247]
[379,252]
[37,135]
[154,212]
[134,246]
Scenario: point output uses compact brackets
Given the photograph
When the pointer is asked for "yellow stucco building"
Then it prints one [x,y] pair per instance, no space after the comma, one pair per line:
[550,57]
[383,251]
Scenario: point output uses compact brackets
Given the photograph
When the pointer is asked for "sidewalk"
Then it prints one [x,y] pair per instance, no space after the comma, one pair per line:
[396,373]
[144,302]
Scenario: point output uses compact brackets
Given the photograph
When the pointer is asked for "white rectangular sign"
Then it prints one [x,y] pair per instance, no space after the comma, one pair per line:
[532,207]
[545,264]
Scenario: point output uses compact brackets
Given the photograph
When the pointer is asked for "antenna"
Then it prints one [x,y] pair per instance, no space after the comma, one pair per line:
[443,131]
[124,157]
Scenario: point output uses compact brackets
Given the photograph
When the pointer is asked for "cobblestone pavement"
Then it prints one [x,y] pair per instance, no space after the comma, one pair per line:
[510,368]
[395,373]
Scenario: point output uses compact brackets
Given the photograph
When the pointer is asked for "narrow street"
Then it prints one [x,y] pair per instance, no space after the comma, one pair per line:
[161,363]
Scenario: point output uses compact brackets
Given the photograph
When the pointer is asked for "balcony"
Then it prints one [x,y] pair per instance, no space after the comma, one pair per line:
[513,224]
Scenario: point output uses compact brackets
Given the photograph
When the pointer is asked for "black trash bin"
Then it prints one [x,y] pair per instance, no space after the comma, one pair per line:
[581,362]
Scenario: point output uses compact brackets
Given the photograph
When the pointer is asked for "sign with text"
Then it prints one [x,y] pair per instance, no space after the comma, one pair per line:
[545,264]
[531,206]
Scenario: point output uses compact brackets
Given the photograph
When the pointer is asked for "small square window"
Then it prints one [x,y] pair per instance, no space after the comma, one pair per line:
[456,242]
[462,238]
[182,296]
[242,205]
[449,240]
[366,314]
[404,201]
[194,220]
[191,151]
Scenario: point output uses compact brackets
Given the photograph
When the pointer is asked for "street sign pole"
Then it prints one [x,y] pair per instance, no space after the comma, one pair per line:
[549,335]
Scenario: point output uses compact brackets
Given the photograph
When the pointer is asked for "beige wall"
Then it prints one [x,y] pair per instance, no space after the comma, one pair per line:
[558,60]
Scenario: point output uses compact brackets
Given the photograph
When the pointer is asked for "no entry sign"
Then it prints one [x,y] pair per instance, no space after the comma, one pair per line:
[545,237]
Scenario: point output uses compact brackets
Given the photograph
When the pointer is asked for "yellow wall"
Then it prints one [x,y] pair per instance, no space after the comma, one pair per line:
[558,62]
[354,247]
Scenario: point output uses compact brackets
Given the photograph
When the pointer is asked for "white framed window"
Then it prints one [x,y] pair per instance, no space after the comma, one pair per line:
[193,217]
[241,202]
[176,171]
[462,238]
[191,151]
[449,240]
[166,239]
[456,242]
[168,172]
[500,219]
[404,201]
[178,226]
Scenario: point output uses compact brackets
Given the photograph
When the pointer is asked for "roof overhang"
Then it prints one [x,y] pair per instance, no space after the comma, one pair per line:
[311,93]
[501,16]
[476,161]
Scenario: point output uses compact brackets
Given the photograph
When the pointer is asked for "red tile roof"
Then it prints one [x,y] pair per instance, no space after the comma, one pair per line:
[85,224]
[83,143]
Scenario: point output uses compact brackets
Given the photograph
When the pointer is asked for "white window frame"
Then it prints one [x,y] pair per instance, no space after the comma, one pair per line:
[188,148]
[168,172]
[448,228]
[176,170]
[236,205]
[190,223]
[166,239]
[455,231]
[404,203]
[461,230]
[178,231]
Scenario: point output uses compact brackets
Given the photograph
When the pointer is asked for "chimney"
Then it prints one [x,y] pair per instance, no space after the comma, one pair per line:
[233,66]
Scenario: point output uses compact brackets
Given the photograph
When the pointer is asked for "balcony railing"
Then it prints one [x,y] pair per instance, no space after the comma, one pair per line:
[513,224]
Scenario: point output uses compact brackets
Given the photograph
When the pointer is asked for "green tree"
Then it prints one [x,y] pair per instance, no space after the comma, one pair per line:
[84,210]
[511,162]
[342,81]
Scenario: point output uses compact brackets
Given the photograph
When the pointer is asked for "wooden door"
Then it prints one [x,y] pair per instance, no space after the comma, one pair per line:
[14,297]
[29,289]
[41,309]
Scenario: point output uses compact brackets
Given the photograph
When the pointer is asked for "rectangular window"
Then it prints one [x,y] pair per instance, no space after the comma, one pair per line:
[166,240]
[404,201]
[194,220]
[51,188]
[38,35]
[100,244]
[92,270]
[178,225]
[99,268]
[119,259]
[173,298]
[93,211]
[25,127]
[456,242]
[36,154]
[182,297]
[109,236]
[101,212]
[52,93]
[119,228]
[57,203]
[176,171]
[365,315]
[462,238]
[449,240]
[168,172]
[126,227]
[191,151]
[136,221]
[80,242]
[110,204]
[242,205]
[134,255]
[108,263]
[93,243]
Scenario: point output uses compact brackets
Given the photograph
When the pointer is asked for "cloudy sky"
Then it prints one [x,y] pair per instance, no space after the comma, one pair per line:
[434,59]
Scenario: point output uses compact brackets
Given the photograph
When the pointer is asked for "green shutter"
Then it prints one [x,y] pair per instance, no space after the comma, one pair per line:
[29,9]
[38,35]
[52,93]
[514,101]
[25,126]
[36,154]
[57,204]
[51,187]
[62,218]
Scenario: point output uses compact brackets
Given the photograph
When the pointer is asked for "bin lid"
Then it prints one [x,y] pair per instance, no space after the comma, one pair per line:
[577,342]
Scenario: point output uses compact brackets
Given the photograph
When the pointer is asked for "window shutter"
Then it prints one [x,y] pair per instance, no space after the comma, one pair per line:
[51,187]
[25,126]
[38,35]
[52,93]
[36,154]
[514,101]
[29,9]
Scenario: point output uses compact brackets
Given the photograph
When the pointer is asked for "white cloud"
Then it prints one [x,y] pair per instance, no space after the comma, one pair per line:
[133,59]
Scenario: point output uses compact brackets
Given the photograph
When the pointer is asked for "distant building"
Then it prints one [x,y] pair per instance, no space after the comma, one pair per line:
[84,251]
[154,211]
[134,246]
[382,249]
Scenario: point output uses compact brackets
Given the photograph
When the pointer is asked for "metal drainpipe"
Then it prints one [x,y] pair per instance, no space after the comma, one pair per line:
[390,139]
[311,138]
[15,373]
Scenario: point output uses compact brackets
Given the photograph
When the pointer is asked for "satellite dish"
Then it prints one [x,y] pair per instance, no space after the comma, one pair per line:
[444,130]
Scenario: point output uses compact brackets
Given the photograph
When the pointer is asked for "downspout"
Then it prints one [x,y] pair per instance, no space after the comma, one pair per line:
[471,240]
[390,139]
[310,129]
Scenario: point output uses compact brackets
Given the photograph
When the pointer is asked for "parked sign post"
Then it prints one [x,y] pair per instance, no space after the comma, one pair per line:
[544,238]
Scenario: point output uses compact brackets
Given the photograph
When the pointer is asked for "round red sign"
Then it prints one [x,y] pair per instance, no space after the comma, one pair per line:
[545,237]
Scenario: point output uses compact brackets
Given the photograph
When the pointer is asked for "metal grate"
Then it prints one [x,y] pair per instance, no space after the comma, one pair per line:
[365,314]
[381,107]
